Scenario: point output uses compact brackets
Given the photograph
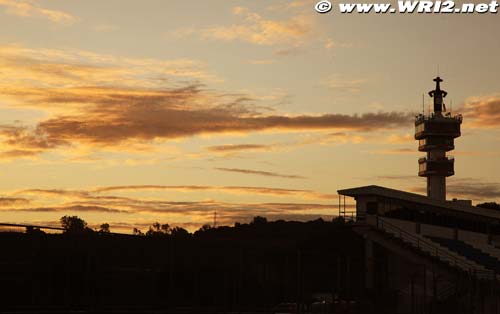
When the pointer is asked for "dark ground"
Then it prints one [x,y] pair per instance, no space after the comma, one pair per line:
[249,267]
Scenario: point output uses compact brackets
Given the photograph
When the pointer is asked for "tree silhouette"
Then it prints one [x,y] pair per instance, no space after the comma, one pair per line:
[158,229]
[489,205]
[137,232]
[179,232]
[165,228]
[104,228]
[74,225]
[205,227]
[258,220]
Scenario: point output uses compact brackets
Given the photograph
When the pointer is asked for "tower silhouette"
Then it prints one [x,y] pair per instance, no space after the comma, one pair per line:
[436,133]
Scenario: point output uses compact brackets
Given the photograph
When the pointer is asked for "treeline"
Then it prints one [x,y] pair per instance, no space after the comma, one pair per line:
[252,266]
[76,225]
[489,205]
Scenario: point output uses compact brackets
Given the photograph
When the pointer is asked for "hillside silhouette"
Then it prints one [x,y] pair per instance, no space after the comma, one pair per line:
[247,267]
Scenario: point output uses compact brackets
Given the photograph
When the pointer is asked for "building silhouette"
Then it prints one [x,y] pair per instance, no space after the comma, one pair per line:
[441,256]
[436,133]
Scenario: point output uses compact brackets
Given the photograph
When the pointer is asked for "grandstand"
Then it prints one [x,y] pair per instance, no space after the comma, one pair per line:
[439,255]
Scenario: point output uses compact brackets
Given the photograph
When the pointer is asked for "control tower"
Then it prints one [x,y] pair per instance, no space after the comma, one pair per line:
[435,134]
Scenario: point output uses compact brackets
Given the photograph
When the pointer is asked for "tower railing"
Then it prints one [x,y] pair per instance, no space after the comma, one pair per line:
[443,159]
[432,115]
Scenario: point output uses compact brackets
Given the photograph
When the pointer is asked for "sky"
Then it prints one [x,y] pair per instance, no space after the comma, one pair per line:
[130,112]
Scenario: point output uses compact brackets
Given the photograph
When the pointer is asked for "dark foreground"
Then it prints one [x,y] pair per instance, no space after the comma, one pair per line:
[258,267]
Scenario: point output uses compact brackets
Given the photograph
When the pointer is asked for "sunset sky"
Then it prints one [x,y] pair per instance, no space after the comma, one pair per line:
[130,112]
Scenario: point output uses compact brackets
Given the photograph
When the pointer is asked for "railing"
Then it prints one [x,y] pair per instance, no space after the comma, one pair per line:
[433,249]
[422,117]
[349,216]
[27,228]
[344,213]
[439,159]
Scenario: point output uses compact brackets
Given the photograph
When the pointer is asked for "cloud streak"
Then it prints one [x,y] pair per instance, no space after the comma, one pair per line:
[72,208]
[230,148]
[139,205]
[343,85]
[261,173]
[113,124]
[85,106]
[484,112]
[305,194]
[25,8]
[13,201]
[398,151]
[194,213]
[469,188]
[258,30]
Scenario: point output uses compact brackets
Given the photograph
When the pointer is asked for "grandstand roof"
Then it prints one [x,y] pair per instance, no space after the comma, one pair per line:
[375,190]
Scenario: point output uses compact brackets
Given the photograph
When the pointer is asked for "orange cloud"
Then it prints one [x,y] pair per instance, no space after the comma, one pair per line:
[306,194]
[262,61]
[25,68]
[411,151]
[482,112]
[287,52]
[343,85]
[13,201]
[86,107]
[193,210]
[114,119]
[73,208]
[261,173]
[260,31]
[19,153]
[400,139]
[239,147]
[476,189]
[335,138]
[25,8]
[92,203]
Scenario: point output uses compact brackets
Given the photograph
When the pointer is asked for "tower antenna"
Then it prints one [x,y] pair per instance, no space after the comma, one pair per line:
[423,103]
[215,218]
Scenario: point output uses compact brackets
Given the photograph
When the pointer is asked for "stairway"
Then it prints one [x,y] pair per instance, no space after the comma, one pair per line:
[469,252]
[426,246]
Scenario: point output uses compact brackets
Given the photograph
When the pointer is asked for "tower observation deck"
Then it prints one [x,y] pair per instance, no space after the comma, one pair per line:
[436,133]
